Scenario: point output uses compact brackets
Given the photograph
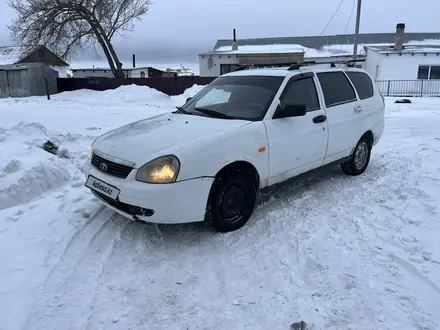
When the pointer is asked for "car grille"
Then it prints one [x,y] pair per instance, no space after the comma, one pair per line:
[112,168]
[126,208]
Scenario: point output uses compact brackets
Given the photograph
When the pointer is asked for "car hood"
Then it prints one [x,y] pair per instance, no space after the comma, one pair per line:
[142,141]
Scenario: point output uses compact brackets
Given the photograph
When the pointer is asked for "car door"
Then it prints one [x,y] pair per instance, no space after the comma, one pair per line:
[341,107]
[297,144]
[370,110]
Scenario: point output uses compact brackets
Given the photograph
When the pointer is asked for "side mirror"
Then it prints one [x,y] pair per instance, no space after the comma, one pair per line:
[188,99]
[290,110]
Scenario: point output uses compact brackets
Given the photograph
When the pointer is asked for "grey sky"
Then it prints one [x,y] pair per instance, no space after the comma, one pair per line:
[176,30]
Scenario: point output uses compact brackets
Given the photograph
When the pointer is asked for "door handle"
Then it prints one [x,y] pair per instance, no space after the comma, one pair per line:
[358,108]
[319,119]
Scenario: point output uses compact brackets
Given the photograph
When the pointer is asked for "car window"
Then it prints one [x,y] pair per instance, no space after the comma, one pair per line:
[214,96]
[362,83]
[302,91]
[240,97]
[336,88]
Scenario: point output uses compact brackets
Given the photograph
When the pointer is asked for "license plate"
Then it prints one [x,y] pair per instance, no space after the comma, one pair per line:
[102,187]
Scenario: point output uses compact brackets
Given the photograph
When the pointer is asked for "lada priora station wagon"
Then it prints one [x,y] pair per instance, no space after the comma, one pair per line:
[245,131]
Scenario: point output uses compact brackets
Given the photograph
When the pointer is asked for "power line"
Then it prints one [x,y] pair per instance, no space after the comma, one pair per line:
[351,16]
[323,31]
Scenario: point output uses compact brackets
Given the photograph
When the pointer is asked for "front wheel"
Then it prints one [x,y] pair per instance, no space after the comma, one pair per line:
[231,202]
[359,160]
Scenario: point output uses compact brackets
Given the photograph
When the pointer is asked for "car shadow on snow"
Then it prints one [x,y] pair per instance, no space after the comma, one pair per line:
[268,199]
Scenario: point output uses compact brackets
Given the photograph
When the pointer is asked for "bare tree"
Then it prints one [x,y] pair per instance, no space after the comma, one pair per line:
[67,26]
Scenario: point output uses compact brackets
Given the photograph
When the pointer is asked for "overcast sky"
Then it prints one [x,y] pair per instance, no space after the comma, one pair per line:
[176,30]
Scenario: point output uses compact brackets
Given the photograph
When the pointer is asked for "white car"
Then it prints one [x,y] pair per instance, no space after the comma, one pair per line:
[245,131]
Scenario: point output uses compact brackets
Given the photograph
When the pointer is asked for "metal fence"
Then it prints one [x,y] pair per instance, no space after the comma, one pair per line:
[409,88]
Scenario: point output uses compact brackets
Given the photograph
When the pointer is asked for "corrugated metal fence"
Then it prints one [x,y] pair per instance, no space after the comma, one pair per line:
[409,88]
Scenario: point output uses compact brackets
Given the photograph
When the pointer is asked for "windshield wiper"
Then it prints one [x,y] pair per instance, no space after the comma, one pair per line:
[181,110]
[214,113]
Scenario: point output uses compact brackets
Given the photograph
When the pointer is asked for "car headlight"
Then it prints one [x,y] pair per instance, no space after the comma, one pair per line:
[89,156]
[160,170]
[91,149]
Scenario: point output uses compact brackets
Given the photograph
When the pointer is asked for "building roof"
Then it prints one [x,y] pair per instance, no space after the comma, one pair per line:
[16,54]
[258,49]
[325,51]
[407,49]
[14,67]
[99,69]
[12,54]
[108,69]
[318,42]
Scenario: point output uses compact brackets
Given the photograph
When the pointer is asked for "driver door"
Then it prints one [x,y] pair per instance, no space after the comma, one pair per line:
[297,144]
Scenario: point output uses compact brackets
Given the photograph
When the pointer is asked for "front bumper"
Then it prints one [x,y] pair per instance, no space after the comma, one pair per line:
[180,202]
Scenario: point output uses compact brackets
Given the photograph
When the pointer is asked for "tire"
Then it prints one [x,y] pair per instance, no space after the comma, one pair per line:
[231,202]
[360,158]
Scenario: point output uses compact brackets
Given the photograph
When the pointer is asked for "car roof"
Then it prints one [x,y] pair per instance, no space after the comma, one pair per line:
[284,72]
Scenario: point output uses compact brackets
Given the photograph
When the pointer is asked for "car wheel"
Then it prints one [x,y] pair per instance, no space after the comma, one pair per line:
[360,158]
[231,202]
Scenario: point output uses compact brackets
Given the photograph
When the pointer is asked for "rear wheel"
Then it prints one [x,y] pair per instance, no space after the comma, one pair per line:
[360,158]
[231,201]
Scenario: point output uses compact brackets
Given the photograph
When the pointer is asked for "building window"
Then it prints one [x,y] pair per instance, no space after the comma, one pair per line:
[142,74]
[226,68]
[429,72]
[434,73]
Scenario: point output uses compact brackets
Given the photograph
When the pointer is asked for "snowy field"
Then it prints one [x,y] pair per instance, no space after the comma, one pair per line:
[338,252]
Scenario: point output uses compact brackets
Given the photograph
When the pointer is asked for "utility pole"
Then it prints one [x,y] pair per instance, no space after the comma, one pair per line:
[356,31]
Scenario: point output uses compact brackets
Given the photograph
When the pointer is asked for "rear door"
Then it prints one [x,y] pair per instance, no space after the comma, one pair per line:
[341,105]
[297,144]
[370,110]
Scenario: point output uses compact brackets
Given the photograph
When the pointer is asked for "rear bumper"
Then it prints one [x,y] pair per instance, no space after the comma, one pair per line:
[180,202]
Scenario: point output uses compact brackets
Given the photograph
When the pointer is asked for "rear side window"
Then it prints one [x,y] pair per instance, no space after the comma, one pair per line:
[362,83]
[336,88]
[302,91]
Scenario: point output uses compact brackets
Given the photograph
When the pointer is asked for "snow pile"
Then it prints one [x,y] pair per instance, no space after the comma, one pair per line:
[190,92]
[31,183]
[335,251]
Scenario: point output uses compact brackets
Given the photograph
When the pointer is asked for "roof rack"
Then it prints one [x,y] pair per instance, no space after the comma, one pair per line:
[297,65]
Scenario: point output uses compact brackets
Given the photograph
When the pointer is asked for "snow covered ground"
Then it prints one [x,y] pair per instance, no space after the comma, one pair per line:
[335,251]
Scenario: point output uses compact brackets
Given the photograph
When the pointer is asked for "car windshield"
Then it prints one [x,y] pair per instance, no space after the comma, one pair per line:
[235,97]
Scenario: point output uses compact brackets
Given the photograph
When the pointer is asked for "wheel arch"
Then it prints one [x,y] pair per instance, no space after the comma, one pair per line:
[240,165]
[368,135]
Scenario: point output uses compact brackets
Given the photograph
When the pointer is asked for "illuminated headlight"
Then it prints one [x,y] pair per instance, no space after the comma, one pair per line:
[160,170]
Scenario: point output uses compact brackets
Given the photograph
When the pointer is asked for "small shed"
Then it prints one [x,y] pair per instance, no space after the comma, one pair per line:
[32,54]
[27,79]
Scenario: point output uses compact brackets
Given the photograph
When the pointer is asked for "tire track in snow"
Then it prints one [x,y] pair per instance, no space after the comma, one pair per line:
[71,283]
[77,239]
